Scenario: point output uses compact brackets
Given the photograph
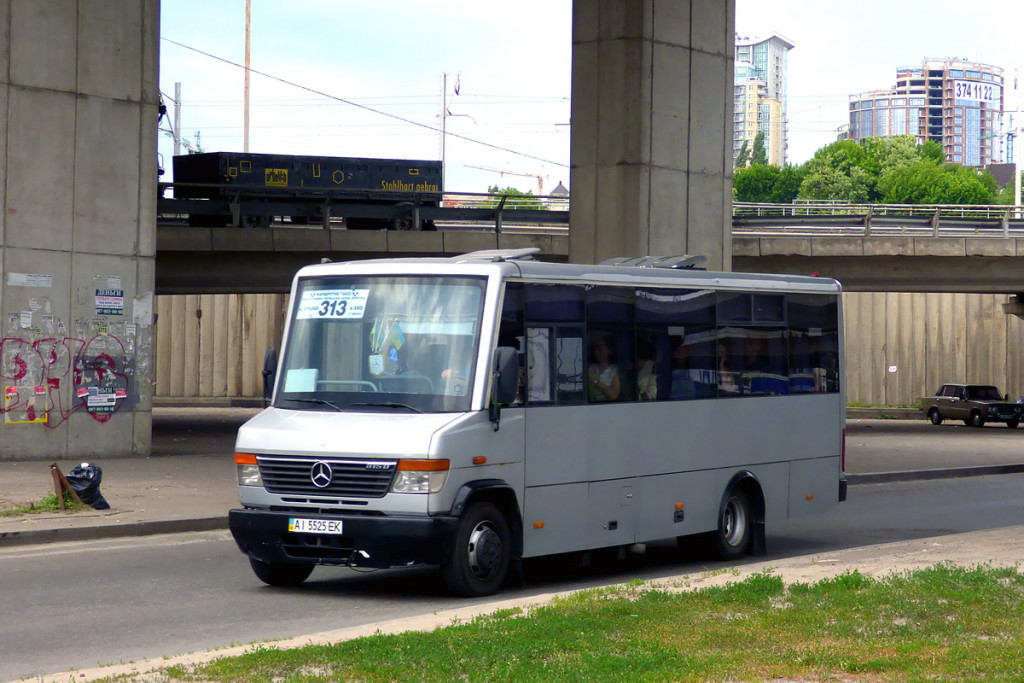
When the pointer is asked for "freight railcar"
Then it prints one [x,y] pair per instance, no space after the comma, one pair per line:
[363,192]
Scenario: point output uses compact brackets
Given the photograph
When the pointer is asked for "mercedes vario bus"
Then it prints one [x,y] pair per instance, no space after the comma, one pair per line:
[475,411]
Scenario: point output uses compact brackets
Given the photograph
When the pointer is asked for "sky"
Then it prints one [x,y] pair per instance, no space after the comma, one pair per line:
[365,78]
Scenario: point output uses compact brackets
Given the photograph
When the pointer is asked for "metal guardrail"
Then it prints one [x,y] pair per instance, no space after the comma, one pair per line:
[549,215]
[880,220]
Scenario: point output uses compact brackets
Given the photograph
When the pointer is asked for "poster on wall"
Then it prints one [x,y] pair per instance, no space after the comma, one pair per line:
[109,302]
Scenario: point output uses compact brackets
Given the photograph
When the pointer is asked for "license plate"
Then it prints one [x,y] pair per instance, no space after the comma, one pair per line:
[302,525]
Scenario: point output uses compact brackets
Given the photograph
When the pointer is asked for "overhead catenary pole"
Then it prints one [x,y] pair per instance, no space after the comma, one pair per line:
[176,133]
[444,118]
[1017,129]
[245,112]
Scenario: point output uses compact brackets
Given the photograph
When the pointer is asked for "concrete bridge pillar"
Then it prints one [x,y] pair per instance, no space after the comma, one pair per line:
[651,143]
[78,125]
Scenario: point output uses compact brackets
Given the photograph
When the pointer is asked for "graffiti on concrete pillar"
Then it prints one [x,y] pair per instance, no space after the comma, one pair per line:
[49,372]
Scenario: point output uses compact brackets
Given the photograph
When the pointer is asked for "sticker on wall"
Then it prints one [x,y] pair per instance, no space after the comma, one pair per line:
[29,280]
[110,302]
[25,405]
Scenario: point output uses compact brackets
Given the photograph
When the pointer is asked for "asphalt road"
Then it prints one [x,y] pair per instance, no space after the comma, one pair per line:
[77,605]
[901,445]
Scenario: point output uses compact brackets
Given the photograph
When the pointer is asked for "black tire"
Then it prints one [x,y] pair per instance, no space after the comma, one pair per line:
[479,557]
[1012,424]
[280,574]
[977,420]
[732,538]
[934,416]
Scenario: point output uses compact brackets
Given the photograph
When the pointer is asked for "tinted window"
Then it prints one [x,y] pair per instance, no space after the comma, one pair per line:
[813,343]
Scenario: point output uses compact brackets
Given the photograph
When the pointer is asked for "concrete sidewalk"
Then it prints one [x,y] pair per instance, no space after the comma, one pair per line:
[188,484]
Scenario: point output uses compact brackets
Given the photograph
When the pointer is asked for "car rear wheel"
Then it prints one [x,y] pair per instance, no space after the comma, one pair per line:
[934,416]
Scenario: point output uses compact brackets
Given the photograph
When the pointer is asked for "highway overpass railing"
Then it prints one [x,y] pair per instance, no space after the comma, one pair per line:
[880,220]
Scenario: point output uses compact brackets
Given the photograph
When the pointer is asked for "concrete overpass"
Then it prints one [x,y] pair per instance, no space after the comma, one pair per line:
[210,260]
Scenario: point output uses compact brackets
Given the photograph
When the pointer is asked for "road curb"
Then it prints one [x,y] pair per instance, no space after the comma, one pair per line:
[926,475]
[11,539]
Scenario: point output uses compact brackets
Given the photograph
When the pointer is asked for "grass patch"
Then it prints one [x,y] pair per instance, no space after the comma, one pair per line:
[47,504]
[941,623]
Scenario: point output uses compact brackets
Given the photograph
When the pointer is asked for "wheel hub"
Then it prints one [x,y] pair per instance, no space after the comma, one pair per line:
[484,550]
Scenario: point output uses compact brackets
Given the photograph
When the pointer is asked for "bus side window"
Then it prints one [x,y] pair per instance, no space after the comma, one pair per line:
[554,358]
[511,333]
[555,354]
[813,343]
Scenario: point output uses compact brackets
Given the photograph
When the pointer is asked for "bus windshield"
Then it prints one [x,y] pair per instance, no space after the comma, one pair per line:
[382,343]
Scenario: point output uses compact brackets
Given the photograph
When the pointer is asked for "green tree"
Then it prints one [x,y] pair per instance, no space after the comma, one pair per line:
[515,199]
[743,157]
[755,183]
[965,185]
[927,182]
[932,150]
[836,173]
[915,183]
[787,185]
[759,155]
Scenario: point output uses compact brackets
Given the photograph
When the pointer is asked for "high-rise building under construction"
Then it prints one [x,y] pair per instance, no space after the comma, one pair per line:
[955,102]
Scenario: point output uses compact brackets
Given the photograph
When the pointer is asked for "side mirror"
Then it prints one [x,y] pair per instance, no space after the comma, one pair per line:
[269,372]
[505,382]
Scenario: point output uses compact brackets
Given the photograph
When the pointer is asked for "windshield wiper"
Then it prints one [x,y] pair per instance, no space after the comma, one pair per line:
[319,402]
[388,404]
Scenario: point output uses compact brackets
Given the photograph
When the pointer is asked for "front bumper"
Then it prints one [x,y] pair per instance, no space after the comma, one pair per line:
[378,542]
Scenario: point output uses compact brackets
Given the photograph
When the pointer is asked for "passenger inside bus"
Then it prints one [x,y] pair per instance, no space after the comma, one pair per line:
[727,383]
[603,382]
[682,382]
[646,375]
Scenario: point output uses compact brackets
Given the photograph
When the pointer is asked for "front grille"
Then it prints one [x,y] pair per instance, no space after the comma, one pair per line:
[293,475]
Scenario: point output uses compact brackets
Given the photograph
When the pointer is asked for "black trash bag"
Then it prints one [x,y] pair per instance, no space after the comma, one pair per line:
[85,480]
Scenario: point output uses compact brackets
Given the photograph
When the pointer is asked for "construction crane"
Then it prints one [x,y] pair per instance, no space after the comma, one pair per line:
[503,171]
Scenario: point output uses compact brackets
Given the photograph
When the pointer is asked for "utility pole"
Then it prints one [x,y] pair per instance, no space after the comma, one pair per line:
[445,113]
[245,113]
[177,118]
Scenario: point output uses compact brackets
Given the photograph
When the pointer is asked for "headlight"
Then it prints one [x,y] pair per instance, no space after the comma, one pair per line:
[420,476]
[248,470]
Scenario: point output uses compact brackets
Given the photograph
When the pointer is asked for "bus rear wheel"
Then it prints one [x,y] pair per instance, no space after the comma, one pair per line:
[279,573]
[479,557]
[732,538]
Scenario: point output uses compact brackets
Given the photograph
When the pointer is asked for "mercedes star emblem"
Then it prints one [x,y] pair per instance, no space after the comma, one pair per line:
[321,474]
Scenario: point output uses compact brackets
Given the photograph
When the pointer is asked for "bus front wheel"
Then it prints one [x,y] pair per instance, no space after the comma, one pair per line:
[479,557]
[732,538]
